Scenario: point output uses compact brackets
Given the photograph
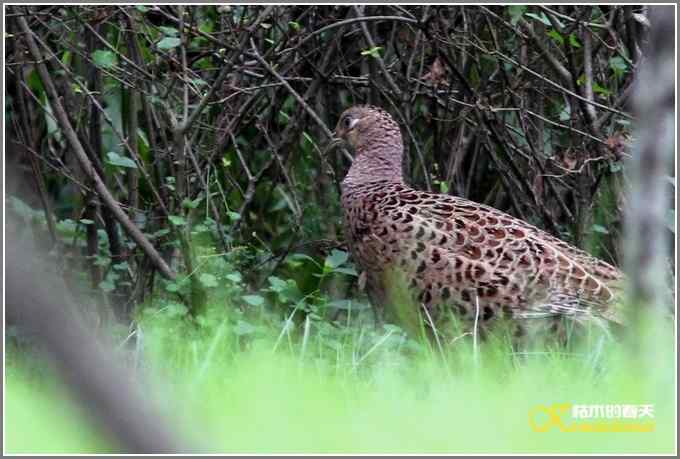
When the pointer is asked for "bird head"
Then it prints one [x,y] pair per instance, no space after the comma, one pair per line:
[360,124]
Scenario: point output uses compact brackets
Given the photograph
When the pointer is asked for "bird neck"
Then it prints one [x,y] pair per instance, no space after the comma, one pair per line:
[378,160]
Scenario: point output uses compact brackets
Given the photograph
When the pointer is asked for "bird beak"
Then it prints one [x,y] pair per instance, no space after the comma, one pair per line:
[336,142]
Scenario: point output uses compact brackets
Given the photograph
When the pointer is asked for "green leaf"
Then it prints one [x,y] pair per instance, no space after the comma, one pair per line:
[191,204]
[294,25]
[336,259]
[107,286]
[35,83]
[159,233]
[104,58]
[86,221]
[350,271]
[172,287]
[295,260]
[516,12]
[142,8]
[600,229]
[66,227]
[175,310]
[206,26]
[123,266]
[600,90]
[277,284]
[540,18]
[169,43]
[142,135]
[555,35]
[615,167]
[169,31]
[565,114]
[208,280]
[308,138]
[120,161]
[67,57]
[618,65]
[235,277]
[253,300]
[573,41]
[373,52]
[101,261]
[286,290]
[177,220]
[299,256]
[50,120]
[283,117]
[233,216]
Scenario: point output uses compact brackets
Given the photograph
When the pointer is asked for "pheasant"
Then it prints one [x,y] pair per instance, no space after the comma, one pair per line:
[479,262]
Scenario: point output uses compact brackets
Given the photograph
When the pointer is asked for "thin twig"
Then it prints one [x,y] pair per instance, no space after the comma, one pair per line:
[85,163]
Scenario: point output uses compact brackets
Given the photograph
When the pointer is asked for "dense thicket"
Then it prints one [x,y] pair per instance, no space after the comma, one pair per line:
[140,137]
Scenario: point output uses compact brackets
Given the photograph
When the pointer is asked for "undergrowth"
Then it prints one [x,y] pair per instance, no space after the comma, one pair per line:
[241,377]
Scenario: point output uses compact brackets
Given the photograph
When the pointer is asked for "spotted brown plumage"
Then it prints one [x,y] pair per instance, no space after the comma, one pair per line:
[453,252]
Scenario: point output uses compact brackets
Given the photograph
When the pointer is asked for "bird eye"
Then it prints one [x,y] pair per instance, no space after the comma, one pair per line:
[347,122]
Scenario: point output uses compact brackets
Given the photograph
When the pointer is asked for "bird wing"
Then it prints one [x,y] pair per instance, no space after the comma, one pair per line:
[455,241]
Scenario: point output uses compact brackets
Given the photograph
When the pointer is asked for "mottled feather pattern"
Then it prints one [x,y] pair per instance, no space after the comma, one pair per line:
[455,252]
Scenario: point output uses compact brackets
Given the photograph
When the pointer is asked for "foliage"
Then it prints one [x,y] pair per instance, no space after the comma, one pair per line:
[209,125]
[192,116]
[251,381]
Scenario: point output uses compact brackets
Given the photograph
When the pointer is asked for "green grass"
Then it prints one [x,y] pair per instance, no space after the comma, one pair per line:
[254,383]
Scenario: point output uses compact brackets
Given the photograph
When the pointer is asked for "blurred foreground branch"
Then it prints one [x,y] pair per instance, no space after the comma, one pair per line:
[37,304]
[647,243]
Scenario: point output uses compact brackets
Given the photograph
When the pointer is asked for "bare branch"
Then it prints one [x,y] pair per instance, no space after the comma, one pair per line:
[85,163]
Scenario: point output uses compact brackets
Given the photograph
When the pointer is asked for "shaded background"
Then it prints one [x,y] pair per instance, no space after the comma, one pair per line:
[209,123]
[160,152]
